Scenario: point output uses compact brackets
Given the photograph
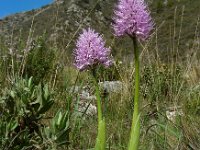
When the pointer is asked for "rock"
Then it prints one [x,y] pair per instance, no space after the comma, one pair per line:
[87,109]
[85,105]
[172,113]
[83,93]
[111,86]
[86,96]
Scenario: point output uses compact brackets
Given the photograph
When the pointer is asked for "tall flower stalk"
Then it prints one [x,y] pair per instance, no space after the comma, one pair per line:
[89,53]
[101,136]
[135,128]
[133,18]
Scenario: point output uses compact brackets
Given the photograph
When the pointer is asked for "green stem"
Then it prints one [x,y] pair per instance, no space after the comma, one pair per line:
[135,128]
[97,93]
[98,103]
[137,77]
[101,135]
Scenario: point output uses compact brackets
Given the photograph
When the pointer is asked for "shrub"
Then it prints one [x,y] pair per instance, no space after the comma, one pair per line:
[23,108]
[39,60]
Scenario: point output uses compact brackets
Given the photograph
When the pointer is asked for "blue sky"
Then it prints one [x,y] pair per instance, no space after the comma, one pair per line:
[8,7]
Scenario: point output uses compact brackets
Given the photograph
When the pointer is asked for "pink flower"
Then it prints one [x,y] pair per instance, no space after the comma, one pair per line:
[90,50]
[133,18]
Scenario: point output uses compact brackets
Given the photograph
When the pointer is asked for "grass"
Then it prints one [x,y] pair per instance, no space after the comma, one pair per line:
[163,86]
[167,85]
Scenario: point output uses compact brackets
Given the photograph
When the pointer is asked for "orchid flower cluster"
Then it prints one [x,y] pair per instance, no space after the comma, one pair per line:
[90,50]
[132,18]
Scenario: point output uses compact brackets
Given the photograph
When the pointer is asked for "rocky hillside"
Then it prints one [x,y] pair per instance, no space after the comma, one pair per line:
[61,17]
[176,22]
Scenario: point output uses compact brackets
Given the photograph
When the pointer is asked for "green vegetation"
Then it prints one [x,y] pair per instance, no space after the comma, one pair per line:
[23,106]
[40,61]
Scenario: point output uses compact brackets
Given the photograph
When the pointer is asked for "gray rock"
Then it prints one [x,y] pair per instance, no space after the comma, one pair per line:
[173,112]
[86,108]
[111,86]
[86,96]
[83,93]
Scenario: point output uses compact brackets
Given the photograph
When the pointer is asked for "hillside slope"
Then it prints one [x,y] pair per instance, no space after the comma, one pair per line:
[176,22]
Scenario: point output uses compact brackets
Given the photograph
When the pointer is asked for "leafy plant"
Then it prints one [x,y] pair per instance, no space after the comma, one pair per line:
[39,60]
[23,107]
[58,133]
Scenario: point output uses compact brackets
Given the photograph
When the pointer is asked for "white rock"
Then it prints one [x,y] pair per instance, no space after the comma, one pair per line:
[173,113]
[84,95]
[87,108]
[111,86]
